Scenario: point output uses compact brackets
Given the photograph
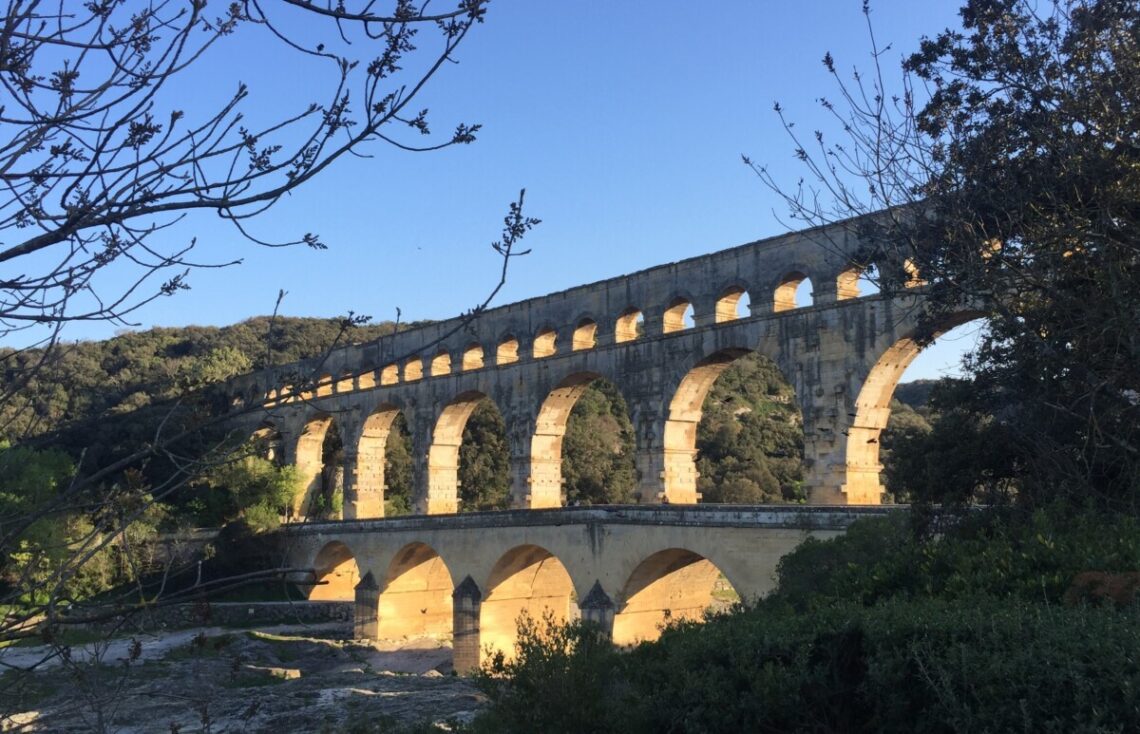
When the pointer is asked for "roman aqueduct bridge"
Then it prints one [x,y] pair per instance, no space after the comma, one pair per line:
[843,355]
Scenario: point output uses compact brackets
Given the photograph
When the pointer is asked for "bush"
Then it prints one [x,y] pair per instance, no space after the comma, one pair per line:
[561,679]
[1032,556]
[905,665]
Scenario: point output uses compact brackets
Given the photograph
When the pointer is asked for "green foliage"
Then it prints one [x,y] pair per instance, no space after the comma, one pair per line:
[53,548]
[398,470]
[598,449]
[1001,553]
[86,380]
[251,488]
[484,461]
[569,668]
[750,438]
[905,665]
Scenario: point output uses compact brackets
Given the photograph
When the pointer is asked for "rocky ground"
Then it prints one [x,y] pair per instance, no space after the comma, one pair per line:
[280,679]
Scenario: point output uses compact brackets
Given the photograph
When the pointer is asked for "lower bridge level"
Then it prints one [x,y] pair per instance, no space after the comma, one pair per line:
[629,569]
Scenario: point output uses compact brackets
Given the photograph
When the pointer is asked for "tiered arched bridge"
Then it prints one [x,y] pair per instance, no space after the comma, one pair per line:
[627,567]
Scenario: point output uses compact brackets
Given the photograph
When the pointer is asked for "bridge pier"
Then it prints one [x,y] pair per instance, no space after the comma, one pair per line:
[365,617]
[467,602]
[598,609]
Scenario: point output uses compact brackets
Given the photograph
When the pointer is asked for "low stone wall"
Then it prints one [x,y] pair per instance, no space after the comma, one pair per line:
[224,614]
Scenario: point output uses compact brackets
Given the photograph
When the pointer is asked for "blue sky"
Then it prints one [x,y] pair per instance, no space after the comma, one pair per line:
[625,122]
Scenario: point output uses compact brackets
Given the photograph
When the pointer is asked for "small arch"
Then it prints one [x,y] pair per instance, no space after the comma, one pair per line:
[336,574]
[267,443]
[416,596]
[508,351]
[472,357]
[390,374]
[585,335]
[441,364]
[324,385]
[527,579]
[729,303]
[913,277]
[671,585]
[678,316]
[413,369]
[346,383]
[545,343]
[794,291]
[366,380]
[847,284]
[630,325]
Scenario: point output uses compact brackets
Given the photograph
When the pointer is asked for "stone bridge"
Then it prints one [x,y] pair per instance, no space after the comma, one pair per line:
[661,336]
[629,568]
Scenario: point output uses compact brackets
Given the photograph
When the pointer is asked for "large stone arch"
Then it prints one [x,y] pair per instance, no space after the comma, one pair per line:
[862,484]
[549,429]
[415,596]
[527,579]
[670,585]
[335,572]
[679,437]
[317,474]
[368,480]
[443,454]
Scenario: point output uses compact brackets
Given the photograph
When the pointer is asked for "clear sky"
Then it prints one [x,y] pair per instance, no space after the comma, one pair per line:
[625,122]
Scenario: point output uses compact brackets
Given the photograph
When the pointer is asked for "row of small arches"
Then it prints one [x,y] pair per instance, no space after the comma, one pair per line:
[794,291]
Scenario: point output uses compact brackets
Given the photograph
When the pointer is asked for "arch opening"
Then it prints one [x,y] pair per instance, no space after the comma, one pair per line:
[336,574]
[508,351]
[545,343]
[390,374]
[320,462]
[468,462]
[739,440]
[669,586]
[582,450]
[630,325]
[472,357]
[912,278]
[324,385]
[678,316]
[847,285]
[366,380]
[371,463]
[794,291]
[527,580]
[731,305]
[413,369]
[416,596]
[267,444]
[441,364]
[346,383]
[862,473]
[585,335]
